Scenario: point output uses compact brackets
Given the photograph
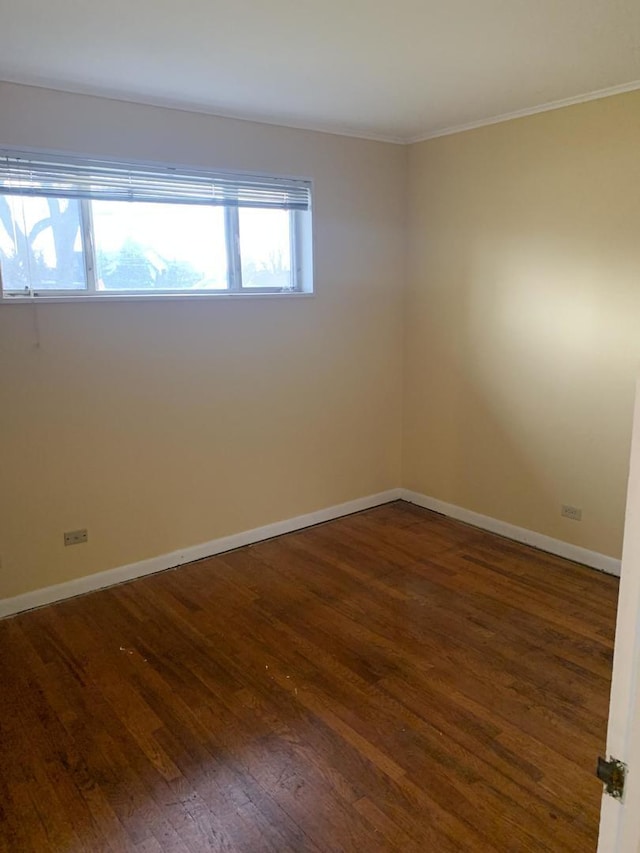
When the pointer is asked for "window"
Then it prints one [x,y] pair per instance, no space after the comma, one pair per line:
[99,229]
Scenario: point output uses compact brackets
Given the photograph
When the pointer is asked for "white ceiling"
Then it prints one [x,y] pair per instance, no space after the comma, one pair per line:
[400,71]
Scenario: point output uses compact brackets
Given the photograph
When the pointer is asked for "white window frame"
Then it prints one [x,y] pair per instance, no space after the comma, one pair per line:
[300,241]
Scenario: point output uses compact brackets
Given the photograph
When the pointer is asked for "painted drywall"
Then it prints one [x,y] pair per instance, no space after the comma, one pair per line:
[522,323]
[162,425]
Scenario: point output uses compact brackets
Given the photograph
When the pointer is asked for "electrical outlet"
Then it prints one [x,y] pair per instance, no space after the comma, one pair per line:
[76,537]
[572,512]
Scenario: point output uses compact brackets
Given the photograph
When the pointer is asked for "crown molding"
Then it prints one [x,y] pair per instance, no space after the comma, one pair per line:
[66,88]
[529,111]
[215,112]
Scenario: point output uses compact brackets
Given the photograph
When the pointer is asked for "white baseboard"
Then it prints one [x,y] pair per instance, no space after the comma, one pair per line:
[520,534]
[111,577]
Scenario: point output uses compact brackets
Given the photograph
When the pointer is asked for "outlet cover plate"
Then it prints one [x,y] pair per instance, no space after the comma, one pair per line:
[572,512]
[76,537]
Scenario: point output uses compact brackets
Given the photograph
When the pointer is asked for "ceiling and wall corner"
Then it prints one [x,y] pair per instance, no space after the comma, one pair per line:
[397,72]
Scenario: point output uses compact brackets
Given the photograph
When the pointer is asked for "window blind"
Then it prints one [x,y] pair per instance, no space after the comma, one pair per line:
[30,175]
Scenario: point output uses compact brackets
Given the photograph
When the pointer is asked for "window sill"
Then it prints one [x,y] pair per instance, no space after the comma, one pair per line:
[156,297]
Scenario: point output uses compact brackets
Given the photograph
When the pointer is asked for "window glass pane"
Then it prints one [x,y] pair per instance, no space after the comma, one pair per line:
[147,246]
[41,244]
[265,247]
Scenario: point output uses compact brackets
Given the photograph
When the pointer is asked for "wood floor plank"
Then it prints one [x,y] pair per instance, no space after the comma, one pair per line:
[392,680]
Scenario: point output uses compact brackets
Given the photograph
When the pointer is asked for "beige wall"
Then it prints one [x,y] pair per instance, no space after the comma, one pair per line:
[162,425]
[523,318]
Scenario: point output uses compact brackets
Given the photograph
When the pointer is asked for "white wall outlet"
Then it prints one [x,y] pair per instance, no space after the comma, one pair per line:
[572,512]
[76,537]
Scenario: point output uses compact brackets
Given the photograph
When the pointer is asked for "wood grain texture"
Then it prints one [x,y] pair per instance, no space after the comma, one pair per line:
[393,680]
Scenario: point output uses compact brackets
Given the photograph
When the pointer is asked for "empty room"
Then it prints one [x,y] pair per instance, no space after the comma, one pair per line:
[319,467]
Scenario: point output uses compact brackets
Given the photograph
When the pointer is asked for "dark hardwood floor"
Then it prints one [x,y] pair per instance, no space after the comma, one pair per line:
[391,681]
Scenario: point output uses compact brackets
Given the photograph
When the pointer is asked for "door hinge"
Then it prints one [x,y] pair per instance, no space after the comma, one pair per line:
[612,774]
